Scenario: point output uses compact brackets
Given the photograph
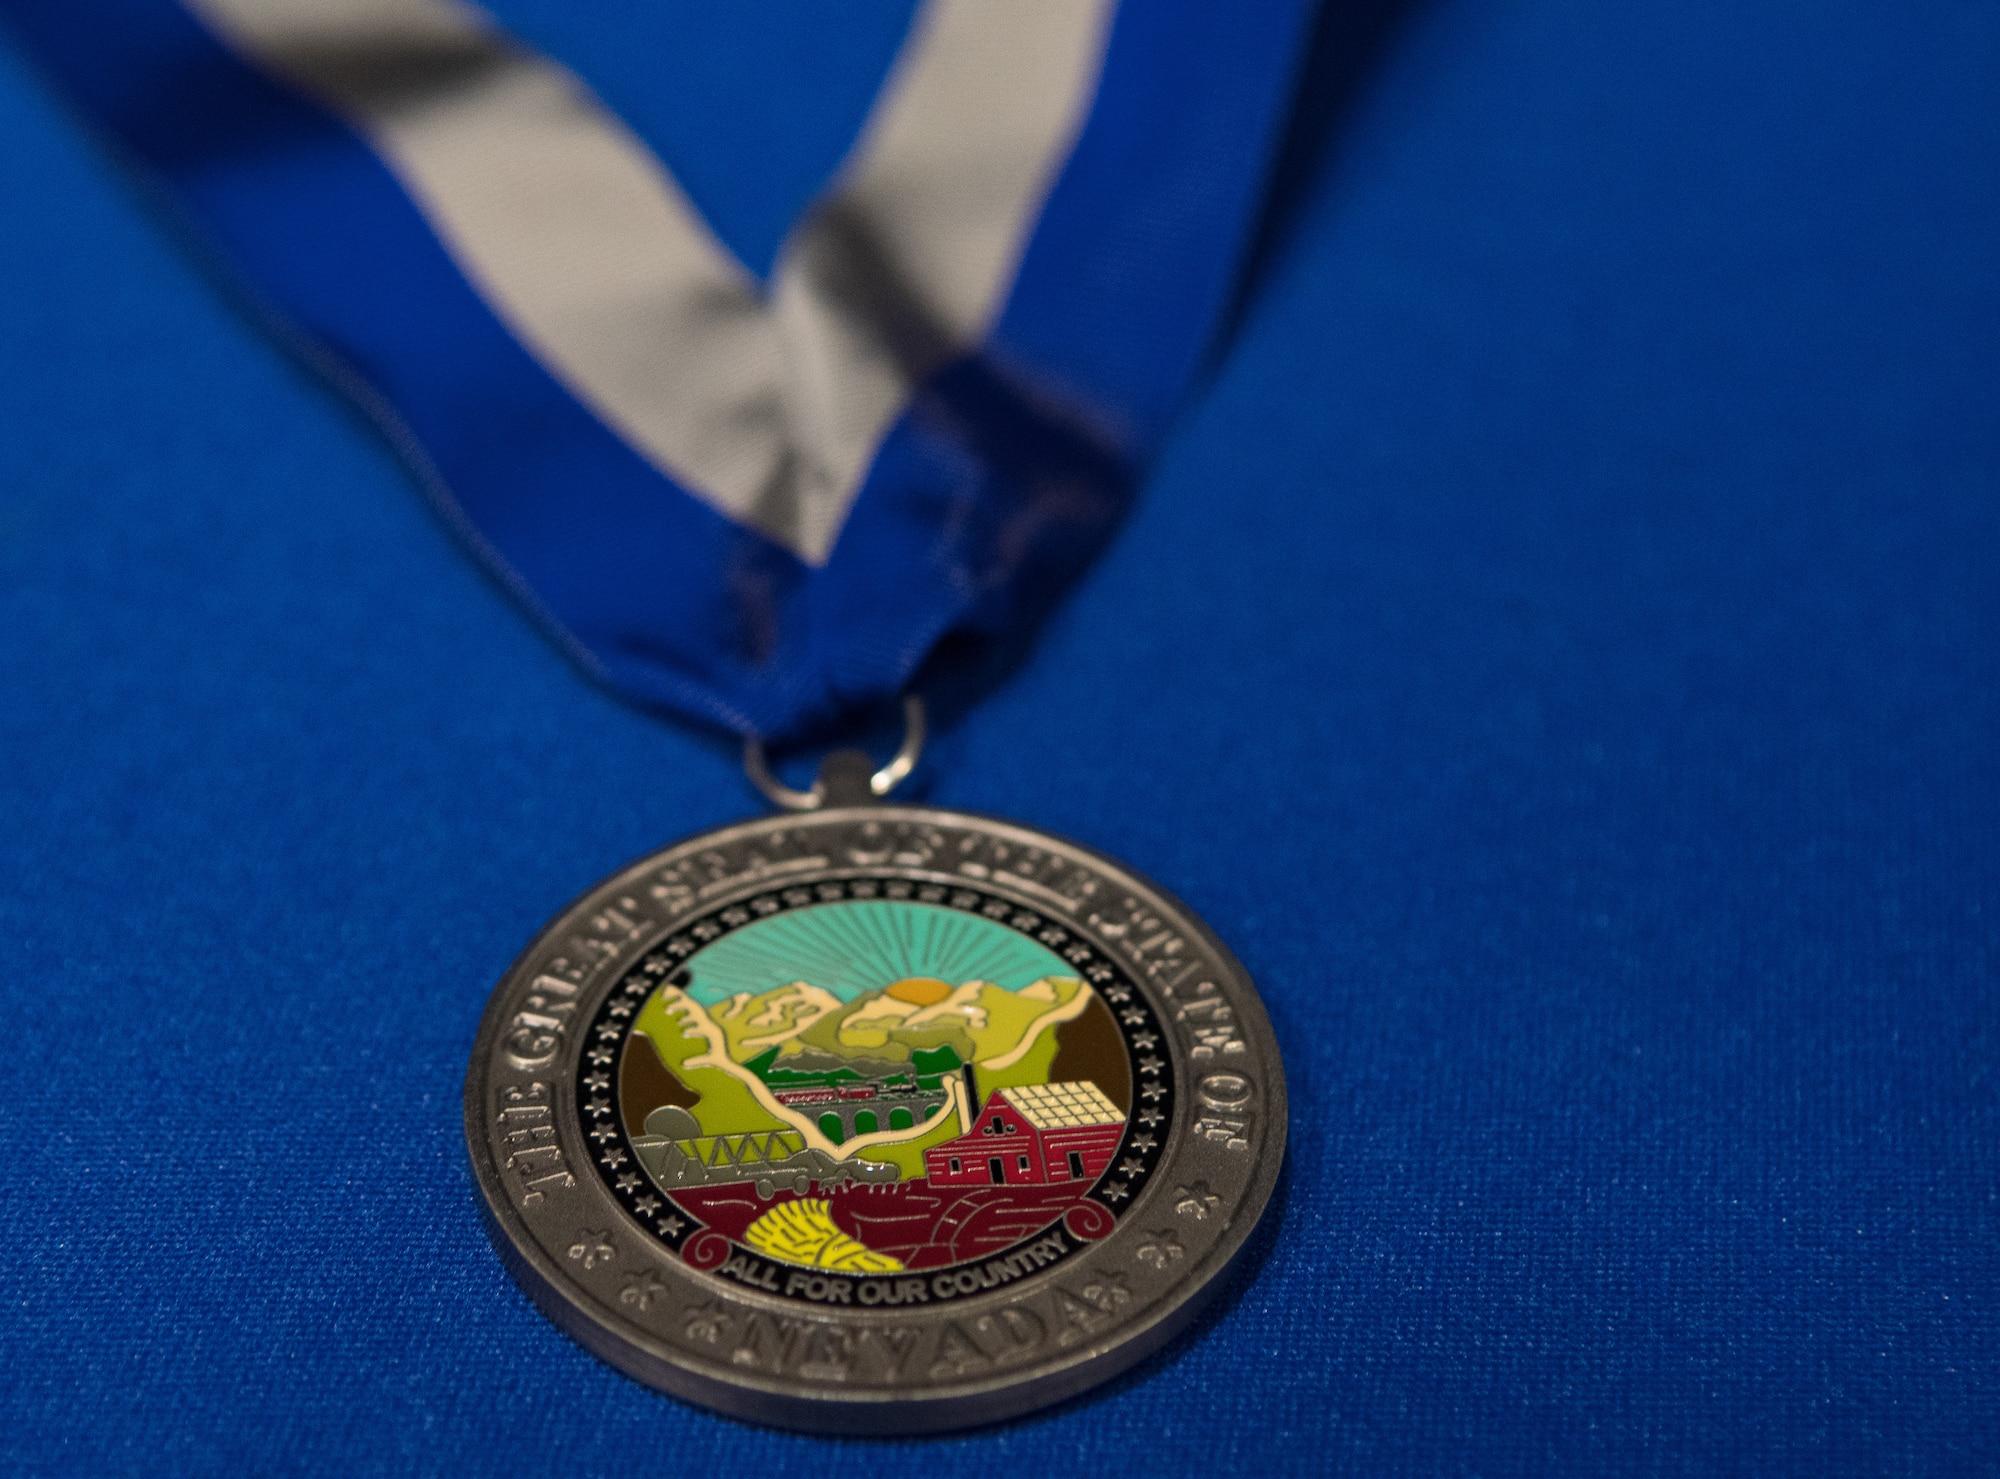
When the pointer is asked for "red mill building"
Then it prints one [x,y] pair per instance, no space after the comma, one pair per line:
[1036,1135]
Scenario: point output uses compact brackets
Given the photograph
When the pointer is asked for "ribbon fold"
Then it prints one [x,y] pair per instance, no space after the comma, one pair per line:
[759,505]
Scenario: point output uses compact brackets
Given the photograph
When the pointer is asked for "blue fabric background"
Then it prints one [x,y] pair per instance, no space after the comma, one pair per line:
[1558,651]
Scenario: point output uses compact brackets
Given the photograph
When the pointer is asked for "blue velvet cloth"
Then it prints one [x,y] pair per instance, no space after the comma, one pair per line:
[1559,650]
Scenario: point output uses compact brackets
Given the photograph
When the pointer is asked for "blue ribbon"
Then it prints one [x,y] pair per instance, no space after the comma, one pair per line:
[1005,470]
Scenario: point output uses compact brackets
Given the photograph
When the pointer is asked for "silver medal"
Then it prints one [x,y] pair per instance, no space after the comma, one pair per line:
[873,1118]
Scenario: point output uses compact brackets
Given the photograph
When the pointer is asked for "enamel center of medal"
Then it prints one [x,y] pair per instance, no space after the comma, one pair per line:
[875,1092]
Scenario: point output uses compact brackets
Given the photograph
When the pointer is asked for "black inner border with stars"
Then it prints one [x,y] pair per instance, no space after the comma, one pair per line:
[1139,1026]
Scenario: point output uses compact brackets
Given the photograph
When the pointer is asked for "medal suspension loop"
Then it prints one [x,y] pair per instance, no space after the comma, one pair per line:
[846,777]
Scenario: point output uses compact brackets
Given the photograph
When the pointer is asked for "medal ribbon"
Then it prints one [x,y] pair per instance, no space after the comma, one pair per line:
[757,504]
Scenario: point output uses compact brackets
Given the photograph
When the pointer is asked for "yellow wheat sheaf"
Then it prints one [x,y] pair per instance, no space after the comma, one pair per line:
[803,1232]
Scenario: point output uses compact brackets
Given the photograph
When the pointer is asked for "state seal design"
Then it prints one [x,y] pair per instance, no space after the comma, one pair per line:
[877,1120]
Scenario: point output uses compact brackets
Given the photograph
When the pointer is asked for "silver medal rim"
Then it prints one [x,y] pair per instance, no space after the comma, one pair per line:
[826,1407]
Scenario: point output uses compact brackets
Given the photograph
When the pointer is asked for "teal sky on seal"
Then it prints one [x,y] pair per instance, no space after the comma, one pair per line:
[863,945]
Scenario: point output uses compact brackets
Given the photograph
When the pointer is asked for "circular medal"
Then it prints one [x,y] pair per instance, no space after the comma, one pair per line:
[874,1119]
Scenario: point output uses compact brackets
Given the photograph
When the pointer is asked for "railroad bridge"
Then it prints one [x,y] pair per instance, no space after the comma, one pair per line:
[861,1109]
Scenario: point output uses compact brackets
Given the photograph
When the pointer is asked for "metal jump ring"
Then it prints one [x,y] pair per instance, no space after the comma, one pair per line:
[881,783]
